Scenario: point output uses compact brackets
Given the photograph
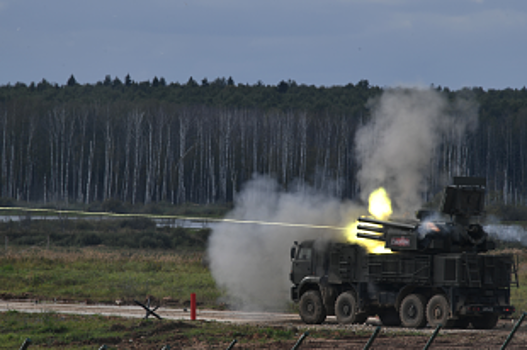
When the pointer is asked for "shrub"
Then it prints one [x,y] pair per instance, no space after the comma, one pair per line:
[139,223]
[6,202]
[113,205]
[89,239]
[130,233]
[84,225]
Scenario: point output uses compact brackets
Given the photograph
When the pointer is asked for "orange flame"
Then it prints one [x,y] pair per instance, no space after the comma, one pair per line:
[380,207]
[380,204]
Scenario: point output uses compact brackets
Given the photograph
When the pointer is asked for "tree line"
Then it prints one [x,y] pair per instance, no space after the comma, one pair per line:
[144,142]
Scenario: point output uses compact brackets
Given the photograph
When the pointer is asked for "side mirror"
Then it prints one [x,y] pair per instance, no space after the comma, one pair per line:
[293,252]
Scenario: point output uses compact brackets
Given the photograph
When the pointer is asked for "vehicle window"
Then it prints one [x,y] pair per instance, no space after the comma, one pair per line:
[304,254]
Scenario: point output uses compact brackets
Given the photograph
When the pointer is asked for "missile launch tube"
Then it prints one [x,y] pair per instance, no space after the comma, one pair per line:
[387,223]
[364,235]
[370,229]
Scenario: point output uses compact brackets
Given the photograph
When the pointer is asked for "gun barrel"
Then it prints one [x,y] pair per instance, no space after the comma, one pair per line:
[387,223]
[374,237]
[370,228]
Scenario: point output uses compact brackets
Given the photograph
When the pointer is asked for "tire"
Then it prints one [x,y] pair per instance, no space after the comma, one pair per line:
[312,309]
[487,321]
[438,311]
[389,317]
[346,308]
[412,311]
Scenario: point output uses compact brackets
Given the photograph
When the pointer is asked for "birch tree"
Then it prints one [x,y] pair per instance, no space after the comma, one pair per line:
[137,119]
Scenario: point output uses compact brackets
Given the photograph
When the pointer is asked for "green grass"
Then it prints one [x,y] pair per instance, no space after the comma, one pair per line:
[519,295]
[100,275]
[58,331]
[97,275]
[52,330]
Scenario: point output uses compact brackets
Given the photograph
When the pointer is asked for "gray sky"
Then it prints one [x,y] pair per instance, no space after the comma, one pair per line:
[453,43]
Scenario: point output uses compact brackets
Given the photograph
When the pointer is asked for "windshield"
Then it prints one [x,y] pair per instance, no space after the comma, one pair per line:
[304,253]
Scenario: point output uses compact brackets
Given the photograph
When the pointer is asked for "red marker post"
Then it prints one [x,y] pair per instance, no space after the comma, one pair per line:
[193,306]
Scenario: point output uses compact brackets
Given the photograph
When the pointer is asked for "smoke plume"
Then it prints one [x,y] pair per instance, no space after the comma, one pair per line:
[250,262]
[395,148]
[507,233]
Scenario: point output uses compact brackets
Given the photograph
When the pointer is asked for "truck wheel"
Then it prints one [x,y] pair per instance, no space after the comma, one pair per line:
[412,311]
[487,321]
[389,317]
[438,311]
[346,308]
[312,309]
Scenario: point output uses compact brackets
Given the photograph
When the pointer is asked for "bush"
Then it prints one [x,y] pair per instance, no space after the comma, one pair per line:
[113,205]
[148,242]
[89,239]
[84,225]
[138,233]
[139,223]
[185,238]
[25,240]
[94,207]
[6,202]
[153,208]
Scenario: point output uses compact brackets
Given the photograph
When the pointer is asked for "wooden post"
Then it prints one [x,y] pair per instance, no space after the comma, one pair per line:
[193,306]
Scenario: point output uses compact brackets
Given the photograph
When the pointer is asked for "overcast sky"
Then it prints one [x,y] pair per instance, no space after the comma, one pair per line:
[453,43]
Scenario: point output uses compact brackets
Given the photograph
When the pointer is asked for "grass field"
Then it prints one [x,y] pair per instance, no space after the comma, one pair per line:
[100,274]
[106,276]
[58,331]
[103,275]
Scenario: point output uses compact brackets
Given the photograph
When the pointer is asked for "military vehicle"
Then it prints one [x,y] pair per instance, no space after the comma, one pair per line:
[440,270]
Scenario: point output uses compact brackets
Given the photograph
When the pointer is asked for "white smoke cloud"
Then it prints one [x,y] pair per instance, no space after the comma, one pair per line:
[251,262]
[507,233]
[396,146]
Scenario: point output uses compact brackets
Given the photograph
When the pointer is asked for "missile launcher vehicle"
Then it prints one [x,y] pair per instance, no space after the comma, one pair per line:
[441,270]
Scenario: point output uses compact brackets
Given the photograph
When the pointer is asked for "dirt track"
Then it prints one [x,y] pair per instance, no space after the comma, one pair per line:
[136,311]
[389,338]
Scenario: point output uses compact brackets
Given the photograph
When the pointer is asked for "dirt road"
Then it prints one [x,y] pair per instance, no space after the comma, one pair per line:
[136,311]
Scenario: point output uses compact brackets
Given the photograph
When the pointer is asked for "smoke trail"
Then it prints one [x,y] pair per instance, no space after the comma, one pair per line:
[396,146]
[507,233]
[251,262]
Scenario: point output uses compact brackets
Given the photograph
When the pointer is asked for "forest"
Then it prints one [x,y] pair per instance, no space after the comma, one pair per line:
[199,142]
